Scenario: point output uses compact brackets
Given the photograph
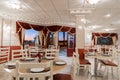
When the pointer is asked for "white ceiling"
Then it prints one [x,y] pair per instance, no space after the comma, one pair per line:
[47,12]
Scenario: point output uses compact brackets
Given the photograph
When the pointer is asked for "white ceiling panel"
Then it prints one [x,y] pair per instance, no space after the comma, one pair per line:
[48,12]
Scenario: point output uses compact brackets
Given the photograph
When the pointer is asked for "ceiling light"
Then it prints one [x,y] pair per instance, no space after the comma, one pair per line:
[83,20]
[15,4]
[93,27]
[81,10]
[80,27]
[108,15]
[93,1]
[108,29]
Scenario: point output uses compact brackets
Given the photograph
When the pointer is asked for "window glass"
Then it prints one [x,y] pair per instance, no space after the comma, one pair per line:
[31,37]
[62,36]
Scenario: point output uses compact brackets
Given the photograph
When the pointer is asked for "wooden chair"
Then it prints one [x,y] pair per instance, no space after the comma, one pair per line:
[73,72]
[33,51]
[19,54]
[23,71]
[52,53]
[81,61]
[4,54]
[74,66]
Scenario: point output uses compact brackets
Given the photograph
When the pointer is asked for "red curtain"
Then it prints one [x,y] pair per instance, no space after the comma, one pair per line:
[65,29]
[72,30]
[37,27]
[104,35]
[54,28]
[45,29]
[24,25]
[17,27]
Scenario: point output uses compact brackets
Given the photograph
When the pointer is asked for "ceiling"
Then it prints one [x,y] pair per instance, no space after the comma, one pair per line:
[58,12]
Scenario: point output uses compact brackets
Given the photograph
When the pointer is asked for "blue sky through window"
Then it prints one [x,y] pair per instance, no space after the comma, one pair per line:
[30,34]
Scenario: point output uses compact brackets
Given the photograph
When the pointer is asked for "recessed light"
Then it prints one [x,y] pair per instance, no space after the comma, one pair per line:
[83,20]
[108,15]
[108,29]
[15,4]
[93,1]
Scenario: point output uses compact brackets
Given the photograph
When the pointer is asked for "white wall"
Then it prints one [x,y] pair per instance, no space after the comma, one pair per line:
[88,38]
[0,31]
[8,36]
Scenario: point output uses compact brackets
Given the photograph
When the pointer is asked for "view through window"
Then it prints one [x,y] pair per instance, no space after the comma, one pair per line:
[31,37]
[62,42]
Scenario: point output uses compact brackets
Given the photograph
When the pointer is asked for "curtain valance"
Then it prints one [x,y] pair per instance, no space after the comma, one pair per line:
[37,27]
[104,35]
[72,31]
[24,25]
[65,29]
[53,28]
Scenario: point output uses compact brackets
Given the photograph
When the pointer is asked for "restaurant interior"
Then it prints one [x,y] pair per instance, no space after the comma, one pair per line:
[59,40]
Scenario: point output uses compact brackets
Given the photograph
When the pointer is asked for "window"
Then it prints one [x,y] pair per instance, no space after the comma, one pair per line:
[71,41]
[62,41]
[62,36]
[31,37]
[51,38]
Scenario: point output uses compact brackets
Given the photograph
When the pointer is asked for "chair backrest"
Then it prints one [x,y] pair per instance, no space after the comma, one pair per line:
[114,51]
[110,50]
[4,54]
[23,70]
[74,61]
[81,54]
[98,47]
[19,54]
[52,53]
[74,65]
[33,50]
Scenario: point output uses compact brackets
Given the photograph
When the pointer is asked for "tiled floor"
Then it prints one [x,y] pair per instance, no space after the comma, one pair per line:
[82,76]
[62,52]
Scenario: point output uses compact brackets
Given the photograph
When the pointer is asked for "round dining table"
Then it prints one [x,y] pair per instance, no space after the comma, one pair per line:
[56,68]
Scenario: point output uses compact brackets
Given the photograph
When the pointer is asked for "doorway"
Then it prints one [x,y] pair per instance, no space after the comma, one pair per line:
[62,42]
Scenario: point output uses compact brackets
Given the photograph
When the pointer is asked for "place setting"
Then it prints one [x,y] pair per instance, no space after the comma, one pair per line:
[60,63]
[49,57]
[11,65]
[39,70]
[36,70]
[27,59]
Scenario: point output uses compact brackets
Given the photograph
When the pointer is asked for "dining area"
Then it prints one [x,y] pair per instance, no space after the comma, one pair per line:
[24,65]
[96,65]
[46,64]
